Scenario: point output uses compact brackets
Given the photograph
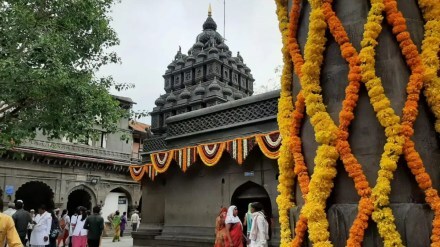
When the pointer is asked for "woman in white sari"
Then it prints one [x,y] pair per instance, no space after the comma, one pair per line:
[41,231]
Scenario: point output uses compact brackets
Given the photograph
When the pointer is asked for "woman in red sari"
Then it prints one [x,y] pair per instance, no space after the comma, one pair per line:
[234,228]
[220,229]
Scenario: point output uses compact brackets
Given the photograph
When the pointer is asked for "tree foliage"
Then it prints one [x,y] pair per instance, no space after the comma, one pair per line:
[50,51]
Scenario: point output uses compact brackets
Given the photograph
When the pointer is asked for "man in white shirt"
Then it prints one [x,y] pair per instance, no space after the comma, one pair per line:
[11,209]
[135,220]
[42,224]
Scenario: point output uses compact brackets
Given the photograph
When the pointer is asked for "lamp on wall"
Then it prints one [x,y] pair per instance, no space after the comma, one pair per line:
[94,180]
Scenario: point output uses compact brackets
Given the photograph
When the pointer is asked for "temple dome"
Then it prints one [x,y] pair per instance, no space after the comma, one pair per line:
[159,101]
[214,86]
[171,98]
[238,95]
[185,94]
[199,89]
[223,46]
[227,91]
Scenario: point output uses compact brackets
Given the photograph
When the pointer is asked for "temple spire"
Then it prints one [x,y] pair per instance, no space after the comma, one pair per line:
[209,10]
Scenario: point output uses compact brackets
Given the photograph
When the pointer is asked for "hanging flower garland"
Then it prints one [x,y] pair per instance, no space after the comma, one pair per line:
[162,160]
[185,157]
[300,168]
[410,111]
[211,154]
[269,144]
[239,148]
[393,148]
[285,108]
[430,51]
[137,172]
[351,164]
[152,173]
[321,182]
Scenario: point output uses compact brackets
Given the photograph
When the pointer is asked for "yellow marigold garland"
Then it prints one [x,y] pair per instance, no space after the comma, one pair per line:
[388,119]
[285,108]
[321,182]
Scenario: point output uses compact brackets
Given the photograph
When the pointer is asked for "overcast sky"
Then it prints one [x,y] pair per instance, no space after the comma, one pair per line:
[151,31]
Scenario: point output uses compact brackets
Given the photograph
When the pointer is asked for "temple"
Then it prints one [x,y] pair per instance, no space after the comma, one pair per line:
[214,145]
[208,75]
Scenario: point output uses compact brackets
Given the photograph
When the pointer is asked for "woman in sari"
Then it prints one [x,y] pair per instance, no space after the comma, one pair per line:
[234,228]
[116,223]
[220,229]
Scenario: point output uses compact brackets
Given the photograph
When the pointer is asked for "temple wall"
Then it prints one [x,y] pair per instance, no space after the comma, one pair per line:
[186,204]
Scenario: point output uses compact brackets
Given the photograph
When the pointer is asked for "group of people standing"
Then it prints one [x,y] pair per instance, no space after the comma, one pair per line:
[49,228]
[229,227]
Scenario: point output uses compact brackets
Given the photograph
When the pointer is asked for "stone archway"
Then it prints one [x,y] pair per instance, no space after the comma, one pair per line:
[35,194]
[118,198]
[80,196]
[251,192]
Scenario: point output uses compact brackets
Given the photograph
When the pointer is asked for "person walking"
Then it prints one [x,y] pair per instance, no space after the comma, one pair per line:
[79,235]
[65,226]
[123,223]
[134,221]
[42,225]
[22,219]
[73,221]
[116,224]
[11,209]
[8,232]
[260,228]
[220,229]
[234,228]
[247,222]
[30,225]
[95,225]
[55,230]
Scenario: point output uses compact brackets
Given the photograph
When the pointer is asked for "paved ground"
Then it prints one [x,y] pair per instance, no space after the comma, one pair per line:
[126,241]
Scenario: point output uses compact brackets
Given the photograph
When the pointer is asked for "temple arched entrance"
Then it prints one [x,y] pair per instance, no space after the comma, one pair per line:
[251,192]
[35,194]
[117,199]
[80,196]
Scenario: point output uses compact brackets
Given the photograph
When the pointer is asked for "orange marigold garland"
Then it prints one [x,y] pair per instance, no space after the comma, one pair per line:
[210,154]
[269,144]
[162,160]
[351,164]
[410,112]
[137,172]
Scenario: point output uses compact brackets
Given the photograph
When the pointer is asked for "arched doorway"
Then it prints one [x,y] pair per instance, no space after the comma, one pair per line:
[79,197]
[117,199]
[34,194]
[251,192]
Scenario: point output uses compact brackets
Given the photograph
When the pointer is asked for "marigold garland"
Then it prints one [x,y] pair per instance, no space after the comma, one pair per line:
[430,51]
[351,164]
[215,158]
[285,106]
[321,182]
[159,166]
[398,135]
[137,172]
[265,148]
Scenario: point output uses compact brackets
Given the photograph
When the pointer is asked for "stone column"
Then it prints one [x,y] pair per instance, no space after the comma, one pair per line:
[413,216]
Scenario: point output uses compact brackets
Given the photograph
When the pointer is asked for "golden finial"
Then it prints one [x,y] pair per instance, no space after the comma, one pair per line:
[209,10]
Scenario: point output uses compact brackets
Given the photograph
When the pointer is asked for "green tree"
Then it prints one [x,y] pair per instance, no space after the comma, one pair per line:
[50,51]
